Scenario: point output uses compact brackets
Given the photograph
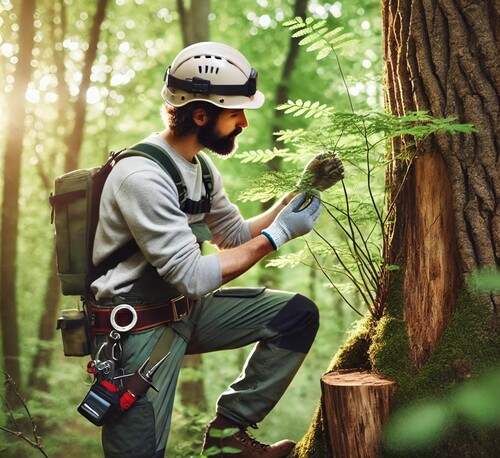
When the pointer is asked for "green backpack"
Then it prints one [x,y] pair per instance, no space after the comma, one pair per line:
[75,213]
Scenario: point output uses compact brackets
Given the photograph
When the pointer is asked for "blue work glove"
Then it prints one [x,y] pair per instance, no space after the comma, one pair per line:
[296,219]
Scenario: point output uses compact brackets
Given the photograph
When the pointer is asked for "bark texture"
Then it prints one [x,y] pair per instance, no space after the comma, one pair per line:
[442,57]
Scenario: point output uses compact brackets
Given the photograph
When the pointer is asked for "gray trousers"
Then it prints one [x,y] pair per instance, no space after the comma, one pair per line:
[283,326]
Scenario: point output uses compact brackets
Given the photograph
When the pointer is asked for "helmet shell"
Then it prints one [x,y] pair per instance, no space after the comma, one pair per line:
[218,68]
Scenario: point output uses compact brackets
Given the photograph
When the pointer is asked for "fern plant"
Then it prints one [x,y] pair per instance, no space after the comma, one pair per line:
[348,244]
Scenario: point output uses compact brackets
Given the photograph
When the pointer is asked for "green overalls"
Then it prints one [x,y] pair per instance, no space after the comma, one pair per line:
[282,324]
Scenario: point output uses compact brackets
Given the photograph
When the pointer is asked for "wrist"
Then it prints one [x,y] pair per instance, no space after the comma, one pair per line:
[270,238]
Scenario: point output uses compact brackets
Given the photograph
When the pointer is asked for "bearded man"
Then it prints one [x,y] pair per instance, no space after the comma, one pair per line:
[206,91]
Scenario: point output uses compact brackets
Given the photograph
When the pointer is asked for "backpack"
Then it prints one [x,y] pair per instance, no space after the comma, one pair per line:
[75,213]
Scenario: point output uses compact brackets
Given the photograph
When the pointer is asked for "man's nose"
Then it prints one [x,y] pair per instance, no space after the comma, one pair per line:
[242,120]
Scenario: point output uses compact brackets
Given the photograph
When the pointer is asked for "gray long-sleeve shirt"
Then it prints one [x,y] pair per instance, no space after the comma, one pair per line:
[140,201]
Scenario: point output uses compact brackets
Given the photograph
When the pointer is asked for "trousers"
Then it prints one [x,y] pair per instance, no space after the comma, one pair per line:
[282,325]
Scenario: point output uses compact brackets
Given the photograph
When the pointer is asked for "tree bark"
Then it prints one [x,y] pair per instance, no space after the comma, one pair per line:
[355,407]
[442,57]
[11,180]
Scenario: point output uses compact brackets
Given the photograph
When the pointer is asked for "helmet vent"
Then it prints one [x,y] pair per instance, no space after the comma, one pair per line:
[208,69]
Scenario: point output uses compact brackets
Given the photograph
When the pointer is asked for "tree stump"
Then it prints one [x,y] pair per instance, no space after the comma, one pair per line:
[355,407]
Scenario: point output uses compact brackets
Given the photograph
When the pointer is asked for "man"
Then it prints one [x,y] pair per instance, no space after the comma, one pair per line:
[206,90]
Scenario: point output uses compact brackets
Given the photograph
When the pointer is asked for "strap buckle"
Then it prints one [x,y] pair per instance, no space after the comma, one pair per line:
[200,86]
[179,301]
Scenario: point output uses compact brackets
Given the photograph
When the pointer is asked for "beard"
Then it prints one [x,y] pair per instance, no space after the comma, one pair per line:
[223,146]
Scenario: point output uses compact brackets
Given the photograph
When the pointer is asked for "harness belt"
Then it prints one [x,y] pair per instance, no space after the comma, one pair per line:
[134,318]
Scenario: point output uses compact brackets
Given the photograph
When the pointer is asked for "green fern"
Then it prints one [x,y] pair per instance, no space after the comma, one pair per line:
[308,109]
[264,156]
[318,36]
[269,185]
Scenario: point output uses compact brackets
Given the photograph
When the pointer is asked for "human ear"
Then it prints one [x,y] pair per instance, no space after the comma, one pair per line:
[200,117]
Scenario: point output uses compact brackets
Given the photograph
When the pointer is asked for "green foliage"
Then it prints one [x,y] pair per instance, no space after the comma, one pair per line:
[212,451]
[453,397]
[307,109]
[348,248]
[486,280]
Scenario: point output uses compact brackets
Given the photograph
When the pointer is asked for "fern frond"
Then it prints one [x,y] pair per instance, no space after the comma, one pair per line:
[316,35]
[262,156]
[288,260]
[307,108]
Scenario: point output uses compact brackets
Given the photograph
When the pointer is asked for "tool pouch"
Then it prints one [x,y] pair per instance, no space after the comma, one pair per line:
[75,332]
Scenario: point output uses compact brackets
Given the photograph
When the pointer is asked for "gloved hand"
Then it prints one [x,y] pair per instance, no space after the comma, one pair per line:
[322,171]
[296,219]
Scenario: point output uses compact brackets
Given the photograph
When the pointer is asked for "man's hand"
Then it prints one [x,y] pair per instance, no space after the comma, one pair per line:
[322,171]
[296,219]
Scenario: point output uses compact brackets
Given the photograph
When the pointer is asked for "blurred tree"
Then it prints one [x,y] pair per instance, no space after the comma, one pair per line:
[72,147]
[194,20]
[16,103]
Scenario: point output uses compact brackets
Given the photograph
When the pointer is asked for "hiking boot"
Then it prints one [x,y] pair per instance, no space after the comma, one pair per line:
[241,440]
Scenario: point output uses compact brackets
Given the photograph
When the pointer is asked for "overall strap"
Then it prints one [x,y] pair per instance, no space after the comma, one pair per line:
[162,158]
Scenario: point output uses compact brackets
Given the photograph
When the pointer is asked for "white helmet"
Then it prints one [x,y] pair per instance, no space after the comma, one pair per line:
[212,72]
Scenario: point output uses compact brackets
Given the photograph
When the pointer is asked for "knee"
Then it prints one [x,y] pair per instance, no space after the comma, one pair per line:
[298,323]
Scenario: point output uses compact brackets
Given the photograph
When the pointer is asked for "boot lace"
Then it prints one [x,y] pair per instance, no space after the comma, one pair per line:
[245,437]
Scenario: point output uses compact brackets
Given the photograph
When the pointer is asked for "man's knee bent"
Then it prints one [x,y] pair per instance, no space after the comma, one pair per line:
[298,323]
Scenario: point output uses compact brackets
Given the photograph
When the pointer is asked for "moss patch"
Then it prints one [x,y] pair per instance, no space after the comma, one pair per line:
[353,354]
[313,444]
[469,346]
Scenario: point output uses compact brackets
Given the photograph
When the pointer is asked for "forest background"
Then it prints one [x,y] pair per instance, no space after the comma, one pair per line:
[400,241]
[137,40]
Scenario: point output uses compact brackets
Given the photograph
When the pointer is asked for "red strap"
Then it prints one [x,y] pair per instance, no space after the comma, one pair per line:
[109,386]
[127,400]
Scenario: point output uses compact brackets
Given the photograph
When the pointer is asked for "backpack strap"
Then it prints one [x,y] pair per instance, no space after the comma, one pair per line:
[154,153]
[162,159]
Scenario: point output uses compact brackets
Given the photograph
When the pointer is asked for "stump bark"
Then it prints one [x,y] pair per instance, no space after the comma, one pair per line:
[355,408]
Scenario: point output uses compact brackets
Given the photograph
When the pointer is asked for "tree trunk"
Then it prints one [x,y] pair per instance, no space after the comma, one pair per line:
[352,425]
[192,390]
[72,146]
[194,21]
[10,206]
[443,58]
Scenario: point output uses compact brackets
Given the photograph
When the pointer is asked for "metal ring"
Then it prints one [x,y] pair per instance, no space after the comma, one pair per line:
[129,326]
